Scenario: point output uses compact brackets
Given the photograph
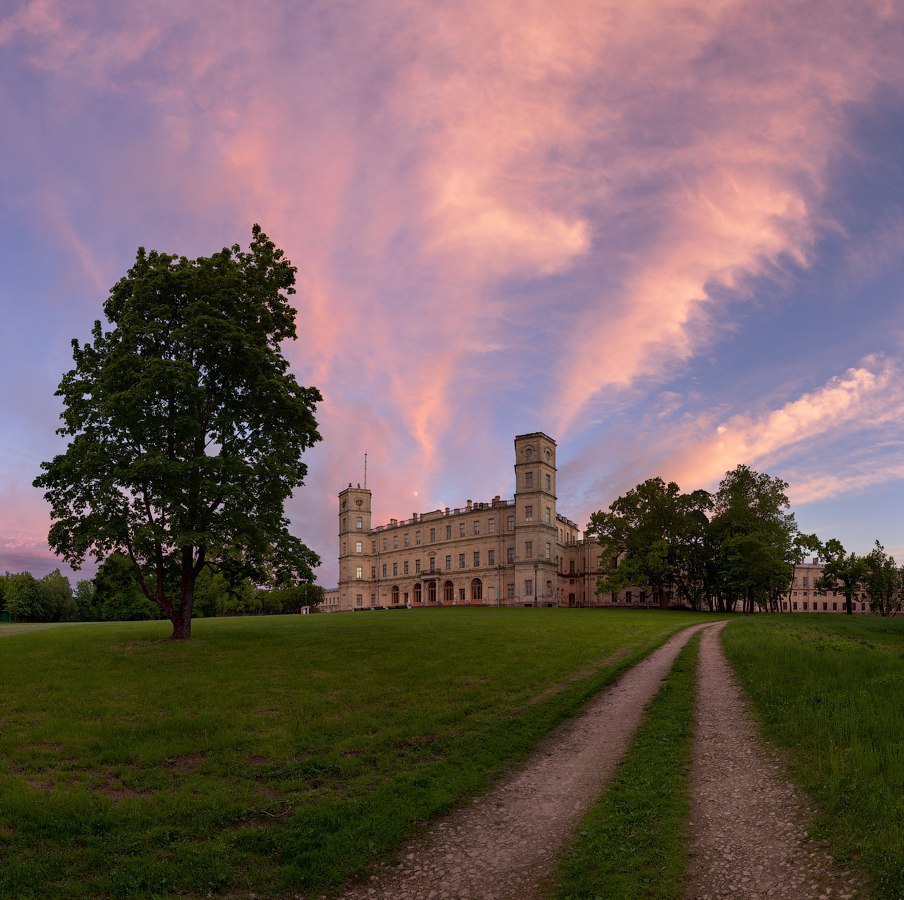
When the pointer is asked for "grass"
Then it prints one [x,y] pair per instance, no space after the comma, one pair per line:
[632,843]
[275,754]
[830,690]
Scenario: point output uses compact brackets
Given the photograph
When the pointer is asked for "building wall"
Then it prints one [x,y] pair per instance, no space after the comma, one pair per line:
[803,598]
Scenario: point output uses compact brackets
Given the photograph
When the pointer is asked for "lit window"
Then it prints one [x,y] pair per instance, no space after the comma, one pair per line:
[359,572]
[359,522]
[357,546]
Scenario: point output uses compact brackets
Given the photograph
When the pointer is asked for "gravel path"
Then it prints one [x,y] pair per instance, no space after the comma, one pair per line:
[507,842]
[748,824]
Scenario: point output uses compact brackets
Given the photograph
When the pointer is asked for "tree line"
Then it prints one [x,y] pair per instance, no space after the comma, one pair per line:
[733,549]
[114,595]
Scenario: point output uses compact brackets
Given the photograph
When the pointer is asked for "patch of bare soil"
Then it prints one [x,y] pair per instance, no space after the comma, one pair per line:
[506,843]
[190,762]
[748,823]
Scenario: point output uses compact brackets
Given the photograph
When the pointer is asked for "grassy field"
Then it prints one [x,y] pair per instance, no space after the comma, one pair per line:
[830,689]
[632,844]
[274,754]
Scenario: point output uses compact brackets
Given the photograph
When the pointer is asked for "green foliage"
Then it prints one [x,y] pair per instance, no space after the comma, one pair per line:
[58,598]
[882,582]
[292,777]
[117,596]
[842,571]
[186,428]
[632,844]
[653,537]
[24,598]
[828,689]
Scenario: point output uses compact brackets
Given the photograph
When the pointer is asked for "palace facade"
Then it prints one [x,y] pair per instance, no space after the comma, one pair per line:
[512,552]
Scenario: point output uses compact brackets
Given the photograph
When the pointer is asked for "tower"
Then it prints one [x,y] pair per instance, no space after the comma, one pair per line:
[355,556]
[535,518]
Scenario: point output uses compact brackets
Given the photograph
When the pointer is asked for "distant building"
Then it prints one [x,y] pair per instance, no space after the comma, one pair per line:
[803,598]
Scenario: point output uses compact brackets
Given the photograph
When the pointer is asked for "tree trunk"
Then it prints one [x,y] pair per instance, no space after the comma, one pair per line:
[181,617]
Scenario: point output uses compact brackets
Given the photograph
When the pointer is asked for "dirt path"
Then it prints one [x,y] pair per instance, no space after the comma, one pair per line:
[748,823]
[507,842]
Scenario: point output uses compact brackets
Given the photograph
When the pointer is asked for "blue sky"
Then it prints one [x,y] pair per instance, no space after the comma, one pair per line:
[668,234]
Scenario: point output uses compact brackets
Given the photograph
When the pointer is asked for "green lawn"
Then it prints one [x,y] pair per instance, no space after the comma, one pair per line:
[274,754]
[830,689]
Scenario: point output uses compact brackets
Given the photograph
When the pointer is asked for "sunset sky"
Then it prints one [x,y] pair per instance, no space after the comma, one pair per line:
[668,234]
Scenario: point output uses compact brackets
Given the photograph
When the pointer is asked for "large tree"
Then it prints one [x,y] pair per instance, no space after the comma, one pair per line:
[753,539]
[882,582]
[186,427]
[842,571]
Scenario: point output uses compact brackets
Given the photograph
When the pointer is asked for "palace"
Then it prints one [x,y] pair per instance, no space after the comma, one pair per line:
[518,552]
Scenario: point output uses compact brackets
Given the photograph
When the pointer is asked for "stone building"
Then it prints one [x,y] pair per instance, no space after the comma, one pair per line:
[512,552]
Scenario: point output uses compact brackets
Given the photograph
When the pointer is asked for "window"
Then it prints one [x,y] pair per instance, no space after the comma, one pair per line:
[344,548]
[431,592]
[359,573]
[432,563]
[405,567]
[373,571]
[528,513]
[385,544]
[359,522]
[510,591]
[511,523]
[477,589]
[384,570]
[627,597]
[805,604]
[461,529]
[448,592]
[417,565]
[477,526]
[395,569]
[417,537]
[432,535]
[571,567]
[417,592]
[548,550]
[528,480]
[491,557]
[784,604]
[491,525]
[373,546]
[806,581]
[835,607]
[476,559]
[528,587]
[461,594]
[448,532]
[548,484]
[407,539]
[359,600]
[825,605]
[528,549]
[548,516]
[794,605]
[461,560]
[395,595]
[448,562]
[357,546]
[345,523]
[510,555]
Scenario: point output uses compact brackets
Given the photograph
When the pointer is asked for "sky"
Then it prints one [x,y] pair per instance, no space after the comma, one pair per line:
[668,234]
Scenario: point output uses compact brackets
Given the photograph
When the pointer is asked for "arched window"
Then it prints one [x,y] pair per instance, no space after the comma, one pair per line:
[448,592]
[477,589]
[395,595]
[417,592]
[431,592]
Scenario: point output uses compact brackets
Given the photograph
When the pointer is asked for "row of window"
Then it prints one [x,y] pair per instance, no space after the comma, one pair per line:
[825,605]
[529,481]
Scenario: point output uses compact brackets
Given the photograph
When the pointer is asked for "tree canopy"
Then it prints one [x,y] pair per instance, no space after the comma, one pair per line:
[186,428]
